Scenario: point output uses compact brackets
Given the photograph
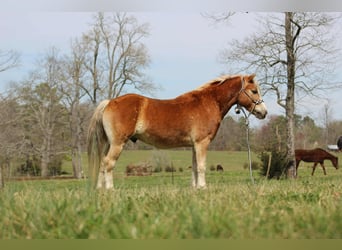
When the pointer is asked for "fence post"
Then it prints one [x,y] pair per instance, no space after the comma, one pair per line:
[269,166]
[2,179]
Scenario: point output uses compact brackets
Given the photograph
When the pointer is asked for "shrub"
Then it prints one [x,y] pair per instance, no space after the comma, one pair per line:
[157,169]
[170,169]
[255,165]
[277,164]
[32,166]
[160,160]
[55,165]
[29,167]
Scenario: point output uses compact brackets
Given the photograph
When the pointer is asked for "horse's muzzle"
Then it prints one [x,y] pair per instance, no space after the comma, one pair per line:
[260,111]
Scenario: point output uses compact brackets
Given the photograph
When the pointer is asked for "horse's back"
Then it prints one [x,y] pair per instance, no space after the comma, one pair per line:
[312,155]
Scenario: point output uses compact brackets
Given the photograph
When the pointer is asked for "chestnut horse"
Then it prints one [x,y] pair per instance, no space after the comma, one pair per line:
[316,155]
[191,119]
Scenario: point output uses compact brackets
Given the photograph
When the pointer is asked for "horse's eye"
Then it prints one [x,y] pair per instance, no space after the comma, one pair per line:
[254,91]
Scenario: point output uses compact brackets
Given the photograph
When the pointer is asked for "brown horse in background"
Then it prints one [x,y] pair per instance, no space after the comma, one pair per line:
[191,119]
[316,155]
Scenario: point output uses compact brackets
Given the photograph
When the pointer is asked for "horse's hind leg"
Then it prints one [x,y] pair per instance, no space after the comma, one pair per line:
[108,163]
[194,168]
[297,165]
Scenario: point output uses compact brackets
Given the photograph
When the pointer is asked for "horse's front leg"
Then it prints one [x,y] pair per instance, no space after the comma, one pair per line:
[201,155]
[322,165]
[314,168]
[297,165]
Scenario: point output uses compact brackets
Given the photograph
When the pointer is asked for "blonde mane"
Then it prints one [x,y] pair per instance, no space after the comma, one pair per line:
[217,80]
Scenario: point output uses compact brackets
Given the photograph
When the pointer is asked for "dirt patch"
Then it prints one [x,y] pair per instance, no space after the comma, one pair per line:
[138,170]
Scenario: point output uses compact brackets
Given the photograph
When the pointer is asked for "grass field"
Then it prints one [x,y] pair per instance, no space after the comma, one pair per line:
[154,206]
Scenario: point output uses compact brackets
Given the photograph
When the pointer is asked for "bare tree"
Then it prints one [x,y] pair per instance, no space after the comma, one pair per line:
[70,88]
[115,55]
[44,112]
[293,53]
[9,59]
[326,119]
[335,131]
[91,42]
[10,135]
[219,17]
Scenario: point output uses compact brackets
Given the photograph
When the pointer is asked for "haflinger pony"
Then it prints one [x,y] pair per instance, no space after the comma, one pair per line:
[316,155]
[190,120]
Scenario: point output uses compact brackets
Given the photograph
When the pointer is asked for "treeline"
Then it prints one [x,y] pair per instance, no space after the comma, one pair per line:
[38,132]
[44,116]
[272,135]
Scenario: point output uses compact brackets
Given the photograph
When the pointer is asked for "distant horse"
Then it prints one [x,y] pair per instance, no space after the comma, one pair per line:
[191,119]
[219,167]
[316,155]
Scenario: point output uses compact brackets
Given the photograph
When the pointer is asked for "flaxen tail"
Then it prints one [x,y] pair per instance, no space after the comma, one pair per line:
[97,142]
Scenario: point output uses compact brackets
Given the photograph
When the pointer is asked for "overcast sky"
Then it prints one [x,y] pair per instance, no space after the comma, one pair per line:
[183,45]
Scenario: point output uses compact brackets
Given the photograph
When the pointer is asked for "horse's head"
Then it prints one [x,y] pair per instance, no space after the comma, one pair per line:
[250,97]
[335,162]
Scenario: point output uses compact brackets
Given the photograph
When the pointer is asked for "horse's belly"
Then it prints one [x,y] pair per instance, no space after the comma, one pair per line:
[310,159]
[166,141]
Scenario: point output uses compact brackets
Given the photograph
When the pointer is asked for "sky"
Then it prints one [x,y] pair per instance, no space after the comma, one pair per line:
[183,45]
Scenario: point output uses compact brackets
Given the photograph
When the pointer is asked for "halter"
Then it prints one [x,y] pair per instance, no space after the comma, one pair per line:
[243,90]
[256,102]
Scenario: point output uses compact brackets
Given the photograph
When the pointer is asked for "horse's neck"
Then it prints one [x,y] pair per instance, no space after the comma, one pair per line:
[227,95]
[333,159]
[329,156]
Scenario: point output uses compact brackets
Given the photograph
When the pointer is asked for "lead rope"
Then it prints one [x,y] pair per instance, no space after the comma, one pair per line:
[237,111]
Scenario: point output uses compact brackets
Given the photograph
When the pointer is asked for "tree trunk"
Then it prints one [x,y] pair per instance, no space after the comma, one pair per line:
[290,96]
[76,163]
[44,165]
[46,154]
[2,179]
[76,134]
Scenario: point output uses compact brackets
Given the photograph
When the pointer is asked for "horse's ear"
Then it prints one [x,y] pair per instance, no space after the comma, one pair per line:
[250,78]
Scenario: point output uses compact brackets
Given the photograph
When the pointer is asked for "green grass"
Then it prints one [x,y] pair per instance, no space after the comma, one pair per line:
[231,160]
[152,207]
